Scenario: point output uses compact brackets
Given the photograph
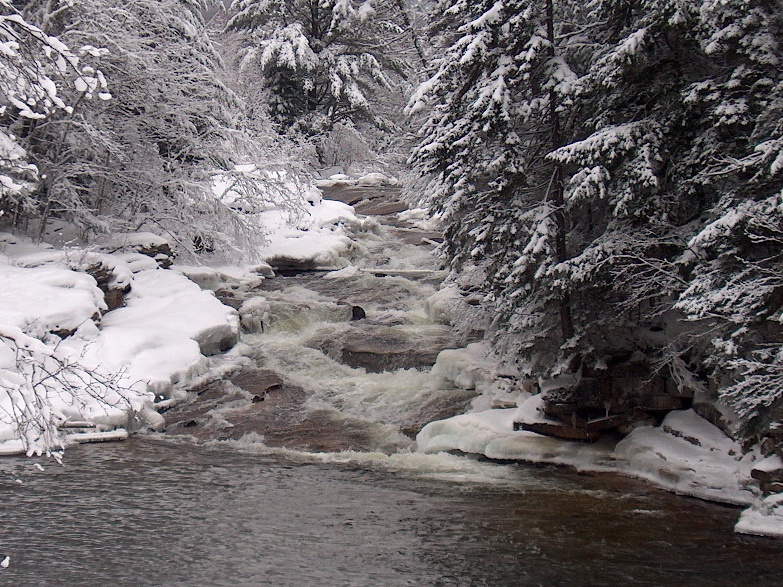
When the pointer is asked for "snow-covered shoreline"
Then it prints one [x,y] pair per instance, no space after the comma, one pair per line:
[685,454]
[109,333]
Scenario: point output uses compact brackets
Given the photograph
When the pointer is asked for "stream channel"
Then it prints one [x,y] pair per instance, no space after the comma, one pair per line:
[301,470]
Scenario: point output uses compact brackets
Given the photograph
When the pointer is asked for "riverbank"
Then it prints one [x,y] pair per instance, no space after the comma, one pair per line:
[96,339]
[685,454]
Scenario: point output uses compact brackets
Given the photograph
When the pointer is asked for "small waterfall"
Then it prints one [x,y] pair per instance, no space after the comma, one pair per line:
[346,379]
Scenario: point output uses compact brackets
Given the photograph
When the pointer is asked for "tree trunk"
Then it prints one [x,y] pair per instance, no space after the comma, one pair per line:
[556,190]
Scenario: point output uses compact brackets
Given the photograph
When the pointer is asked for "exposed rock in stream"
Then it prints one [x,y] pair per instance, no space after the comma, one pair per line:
[343,360]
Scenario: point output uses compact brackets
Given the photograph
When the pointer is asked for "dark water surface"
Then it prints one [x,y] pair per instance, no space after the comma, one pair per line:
[151,512]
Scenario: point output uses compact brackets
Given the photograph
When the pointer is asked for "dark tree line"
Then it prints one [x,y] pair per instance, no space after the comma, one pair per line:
[611,176]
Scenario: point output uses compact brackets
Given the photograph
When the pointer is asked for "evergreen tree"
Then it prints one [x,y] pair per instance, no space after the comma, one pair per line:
[322,60]
[619,163]
[735,290]
[500,100]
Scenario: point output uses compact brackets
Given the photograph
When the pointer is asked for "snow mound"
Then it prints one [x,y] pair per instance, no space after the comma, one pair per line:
[764,518]
[318,239]
[690,456]
[47,299]
[166,301]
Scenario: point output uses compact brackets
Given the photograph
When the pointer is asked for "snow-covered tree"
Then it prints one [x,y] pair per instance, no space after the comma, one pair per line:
[499,101]
[146,158]
[322,60]
[37,72]
[619,162]
[736,286]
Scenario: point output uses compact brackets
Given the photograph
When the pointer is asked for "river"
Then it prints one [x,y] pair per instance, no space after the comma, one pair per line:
[156,512]
[302,470]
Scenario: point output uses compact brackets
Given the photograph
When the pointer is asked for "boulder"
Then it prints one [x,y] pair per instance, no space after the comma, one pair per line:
[769,474]
[217,339]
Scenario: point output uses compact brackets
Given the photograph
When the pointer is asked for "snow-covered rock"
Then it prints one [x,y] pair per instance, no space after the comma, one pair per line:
[764,518]
[254,314]
[318,239]
[47,299]
[146,243]
[164,300]
[690,456]
[467,368]
[491,433]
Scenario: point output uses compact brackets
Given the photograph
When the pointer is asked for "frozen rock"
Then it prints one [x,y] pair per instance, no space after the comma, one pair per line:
[690,456]
[254,314]
[764,518]
[373,180]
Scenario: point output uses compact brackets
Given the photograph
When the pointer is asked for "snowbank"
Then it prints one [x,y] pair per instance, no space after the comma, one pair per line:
[47,299]
[110,364]
[690,456]
[319,238]
[764,518]
[685,454]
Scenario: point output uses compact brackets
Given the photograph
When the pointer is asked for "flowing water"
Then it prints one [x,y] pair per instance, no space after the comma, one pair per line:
[301,470]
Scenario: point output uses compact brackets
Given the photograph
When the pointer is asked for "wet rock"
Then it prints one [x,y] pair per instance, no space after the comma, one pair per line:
[619,395]
[357,313]
[289,266]
[380,208]
[258,381]
[383,348]
[558,430]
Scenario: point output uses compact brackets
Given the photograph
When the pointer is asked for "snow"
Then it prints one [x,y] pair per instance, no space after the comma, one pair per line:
[466,367]
[685,454]
[319,237]
[764,518]
[491,433]
[166,301]
[690,456]
[47,299]
[421,218]
[373,179]
[115,362]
